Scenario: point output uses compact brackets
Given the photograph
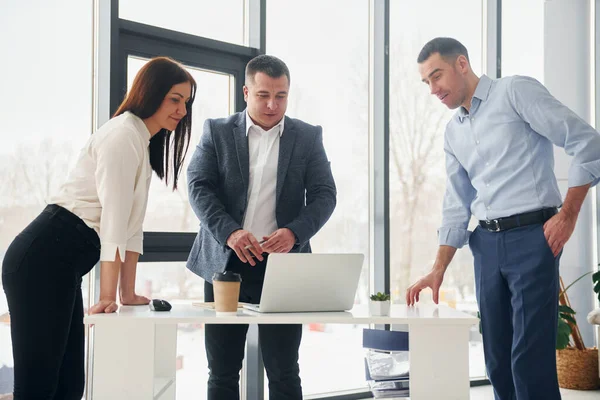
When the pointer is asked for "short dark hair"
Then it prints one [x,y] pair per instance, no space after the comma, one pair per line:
[448,48]
[266,64]
[150,86]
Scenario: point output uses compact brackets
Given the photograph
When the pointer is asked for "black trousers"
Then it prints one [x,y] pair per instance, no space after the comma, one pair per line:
[41,276]
[225,345]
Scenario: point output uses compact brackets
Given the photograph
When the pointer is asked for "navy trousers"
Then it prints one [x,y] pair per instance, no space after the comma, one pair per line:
[517,286]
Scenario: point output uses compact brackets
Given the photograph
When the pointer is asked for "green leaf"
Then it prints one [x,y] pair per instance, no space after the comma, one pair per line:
[566,309]
[575,281]
[380,297]
[568,318]
[596,280]
[562,337]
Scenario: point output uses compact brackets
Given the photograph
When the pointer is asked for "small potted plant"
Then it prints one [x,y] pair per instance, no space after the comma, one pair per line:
[379,304]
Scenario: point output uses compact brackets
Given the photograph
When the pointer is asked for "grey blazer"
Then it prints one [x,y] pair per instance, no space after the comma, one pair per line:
[218,187]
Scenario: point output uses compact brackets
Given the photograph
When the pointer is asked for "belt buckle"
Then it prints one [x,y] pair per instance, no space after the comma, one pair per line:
[497,228]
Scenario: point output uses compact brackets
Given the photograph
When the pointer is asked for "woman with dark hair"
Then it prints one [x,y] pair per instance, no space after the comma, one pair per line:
[96,215]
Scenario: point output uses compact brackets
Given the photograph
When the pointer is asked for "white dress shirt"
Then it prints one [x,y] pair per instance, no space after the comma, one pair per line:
[263,147]
[108,186]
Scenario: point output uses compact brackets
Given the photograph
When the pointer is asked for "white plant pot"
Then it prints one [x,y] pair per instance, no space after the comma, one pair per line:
[379,307]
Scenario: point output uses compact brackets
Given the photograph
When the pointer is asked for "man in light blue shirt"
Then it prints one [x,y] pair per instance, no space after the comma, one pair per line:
[500,168]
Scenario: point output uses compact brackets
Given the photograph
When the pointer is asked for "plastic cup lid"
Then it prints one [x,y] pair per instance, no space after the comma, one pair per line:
[227,276]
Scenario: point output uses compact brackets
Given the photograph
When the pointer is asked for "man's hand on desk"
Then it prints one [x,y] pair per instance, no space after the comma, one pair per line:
[432,280]
[245,246]
[280,241]
[104,306]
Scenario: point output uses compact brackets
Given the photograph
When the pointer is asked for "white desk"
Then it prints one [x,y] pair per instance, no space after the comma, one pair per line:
[135,349]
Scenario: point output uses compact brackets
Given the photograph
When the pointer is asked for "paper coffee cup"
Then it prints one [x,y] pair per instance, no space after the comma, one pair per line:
[226,289]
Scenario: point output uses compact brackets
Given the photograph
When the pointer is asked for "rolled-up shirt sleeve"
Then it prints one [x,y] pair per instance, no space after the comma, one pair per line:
[117,162]
[136,242]
[552,119]
[456,211]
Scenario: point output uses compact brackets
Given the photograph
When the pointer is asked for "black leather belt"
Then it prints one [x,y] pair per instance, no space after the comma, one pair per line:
[515,221]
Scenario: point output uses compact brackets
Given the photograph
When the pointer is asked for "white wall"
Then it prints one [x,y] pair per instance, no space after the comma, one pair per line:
[568,75]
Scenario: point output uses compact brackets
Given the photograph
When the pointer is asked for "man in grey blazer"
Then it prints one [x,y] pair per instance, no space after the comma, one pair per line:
[256,176]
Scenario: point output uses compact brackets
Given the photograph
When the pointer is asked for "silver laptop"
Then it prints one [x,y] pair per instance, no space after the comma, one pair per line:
[309,282]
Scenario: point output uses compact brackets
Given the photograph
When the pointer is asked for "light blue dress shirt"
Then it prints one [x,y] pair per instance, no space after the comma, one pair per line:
[499,156]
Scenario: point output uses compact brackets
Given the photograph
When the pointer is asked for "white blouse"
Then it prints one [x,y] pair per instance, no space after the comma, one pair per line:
[108,186]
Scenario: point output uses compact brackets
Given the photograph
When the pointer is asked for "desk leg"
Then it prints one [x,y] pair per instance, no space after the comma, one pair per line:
[128,366]
[253,371]
[439,362]
[165,361]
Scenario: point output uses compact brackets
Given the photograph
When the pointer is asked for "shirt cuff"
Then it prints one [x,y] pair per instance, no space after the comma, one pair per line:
[455,237]
[580,175]
[136,244]
[108,250]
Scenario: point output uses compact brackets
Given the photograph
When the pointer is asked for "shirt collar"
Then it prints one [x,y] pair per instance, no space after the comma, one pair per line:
[482,92]
[142,129]
[483,88]
[250,124]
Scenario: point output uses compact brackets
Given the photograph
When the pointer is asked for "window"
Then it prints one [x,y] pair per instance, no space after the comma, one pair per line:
[46,114]
[329,87]
[523,38]
[222,20]
[170,224]
[417,168]
[170,211]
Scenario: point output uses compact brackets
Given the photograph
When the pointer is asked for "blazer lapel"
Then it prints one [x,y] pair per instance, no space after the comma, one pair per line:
[286,146]
[241,146]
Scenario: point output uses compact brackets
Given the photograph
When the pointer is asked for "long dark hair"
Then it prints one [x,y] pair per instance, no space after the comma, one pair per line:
[150,86]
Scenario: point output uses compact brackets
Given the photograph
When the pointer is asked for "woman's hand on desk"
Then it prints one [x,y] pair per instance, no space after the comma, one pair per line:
[134,300]
[104,306]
